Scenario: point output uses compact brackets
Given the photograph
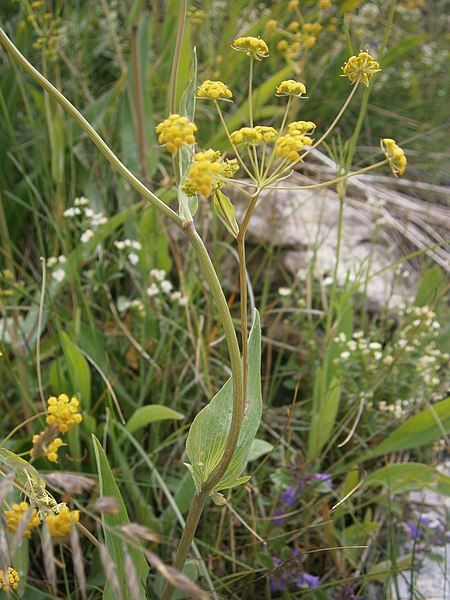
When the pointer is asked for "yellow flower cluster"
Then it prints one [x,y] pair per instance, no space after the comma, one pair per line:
[289,87]
[271,24]
[360,68]
[312,29]
[215,90]
[325,4]
[207,173]
[395,155]
[246,135]
[290,145]
[176,131]
[63,413]
[15,516]
[13,580]
[44,444]
[51,451]
[301,127]
[268,133]
[61,523]
[252,46]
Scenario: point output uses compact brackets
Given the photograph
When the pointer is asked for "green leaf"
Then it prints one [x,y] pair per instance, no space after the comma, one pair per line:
[323,420]
[112,522]
[382,571]
[258,449]
[209,431]
[79,372]
[404,477]
[418,430]
[443,484]
[431,287]
[150,413]
[225,211]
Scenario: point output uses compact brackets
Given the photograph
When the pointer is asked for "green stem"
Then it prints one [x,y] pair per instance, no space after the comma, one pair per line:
[250,92]
[87,127]
[177,55]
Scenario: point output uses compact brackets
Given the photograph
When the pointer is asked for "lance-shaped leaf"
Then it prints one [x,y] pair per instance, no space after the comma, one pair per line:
[209,431]
[225,211]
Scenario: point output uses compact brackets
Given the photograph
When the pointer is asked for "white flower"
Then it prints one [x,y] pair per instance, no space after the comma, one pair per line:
[436,325]
[71,212]
[89,213]
[327,281]
[158,274]
[98,219]
[284,291]
[342,337]
[166,286]
[62,259]
[345,355]
[358,334]
[378,355]
[81,201]
[352,345]
[183,301]
[137,304]
[152,290]
[59,274]
[119,245]
[51,262]
[180,298]
[135,245]
[133,258]
[86,236]
[388,360]
[375,345]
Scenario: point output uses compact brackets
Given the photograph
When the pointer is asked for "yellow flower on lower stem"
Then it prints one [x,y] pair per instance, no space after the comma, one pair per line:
[395,155]
[290,145]
[360,68]
[12,581]
[290,87]
[252,46]
[61,523]
[63,413]
[15,516]
[176,131]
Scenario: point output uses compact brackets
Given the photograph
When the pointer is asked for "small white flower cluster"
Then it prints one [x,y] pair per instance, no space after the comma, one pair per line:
[123,304]
[399,408]
[131,245]
[284,291]
[359,345]
[161,284]
[59,273]
[89,220]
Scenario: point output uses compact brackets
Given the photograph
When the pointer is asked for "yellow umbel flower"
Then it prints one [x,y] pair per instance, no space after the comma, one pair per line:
[252,46]
[13,580]
[246,135]
[271,24]
[176,131]
[216,90]
[395,155]
[289,145]
[360,68]
[207,173]
[289,87]
[15,516]
[268,133]
[61,523]
[301,127]
[63,413]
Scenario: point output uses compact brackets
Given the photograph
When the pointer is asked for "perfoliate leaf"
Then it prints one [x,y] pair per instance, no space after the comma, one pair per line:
[225,211]
[209,431]
[187,206]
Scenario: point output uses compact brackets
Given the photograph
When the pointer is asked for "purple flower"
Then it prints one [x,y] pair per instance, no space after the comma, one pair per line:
[311,581]
[276,518]
[325,477]
[288,496]
[416,528]
[278,580]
